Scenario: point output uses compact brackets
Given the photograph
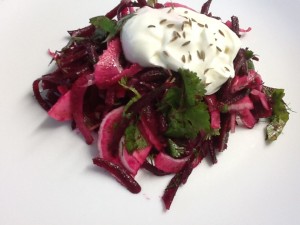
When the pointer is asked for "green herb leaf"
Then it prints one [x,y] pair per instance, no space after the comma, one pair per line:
[134,139]
[249,54]
[250,65]
[123,83]
[175,150]
[274,129]
[189,122]
[198,117]
[171,99]
[104,23]
[111,27]
[99,35]
[177,126]
[280,113]
[193,87]
[184,107]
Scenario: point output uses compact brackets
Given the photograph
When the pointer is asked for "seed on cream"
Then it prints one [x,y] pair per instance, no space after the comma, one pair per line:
[166,53]
[190,57]
[206,70]
[174,39]
[220,50]
[183,58]
[181,38]
[170,10]
[186,43]
[182,26]
[163,21]
[201,55]
[221,32]
[200,25]
[175,33]
[170,25]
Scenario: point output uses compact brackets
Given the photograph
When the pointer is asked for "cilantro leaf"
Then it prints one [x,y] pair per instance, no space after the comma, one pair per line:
[171,99]
[279,106]
[134,139]
[104,23]
[250,65]
[280,114]
[123,83]
[184,107]
[198,116]
[177,127]
[189,122]
[111,27]
[193,87]
[175,150]
[249,56]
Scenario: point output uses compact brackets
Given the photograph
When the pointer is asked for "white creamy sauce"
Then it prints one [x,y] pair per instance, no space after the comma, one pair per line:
[181,38]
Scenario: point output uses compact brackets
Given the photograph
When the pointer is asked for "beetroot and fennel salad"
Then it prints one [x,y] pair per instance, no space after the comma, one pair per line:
[162,86]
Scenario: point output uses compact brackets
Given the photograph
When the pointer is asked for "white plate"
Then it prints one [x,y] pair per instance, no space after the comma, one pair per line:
[46,173]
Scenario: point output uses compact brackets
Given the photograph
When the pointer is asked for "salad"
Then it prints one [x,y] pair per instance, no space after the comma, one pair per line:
[159,87]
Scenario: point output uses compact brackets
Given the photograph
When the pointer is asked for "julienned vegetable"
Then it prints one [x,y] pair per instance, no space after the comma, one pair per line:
[152,118]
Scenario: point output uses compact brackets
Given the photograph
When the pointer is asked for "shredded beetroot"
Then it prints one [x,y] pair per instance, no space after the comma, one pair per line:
[205,7]
[148,99]
[179,178]
[212,103]
[150,127]
[77,97]
[111,14]
[120,174]
[220,141]
[101,92]
[45,98]
[234,25]
[153,169]
[263,108]
[142,3]
[83,32]
[247,118]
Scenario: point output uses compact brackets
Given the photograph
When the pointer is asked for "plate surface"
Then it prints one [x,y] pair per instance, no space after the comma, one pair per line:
[46,173]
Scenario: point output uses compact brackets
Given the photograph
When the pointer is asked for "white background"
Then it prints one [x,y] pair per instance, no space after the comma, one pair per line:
[46,171]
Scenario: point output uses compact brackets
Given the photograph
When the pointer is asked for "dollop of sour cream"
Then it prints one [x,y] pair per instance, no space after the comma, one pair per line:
[174,38]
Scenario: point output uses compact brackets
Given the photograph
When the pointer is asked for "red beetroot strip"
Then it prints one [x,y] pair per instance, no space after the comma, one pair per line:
[120,174]
[180,178]
[85,89]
